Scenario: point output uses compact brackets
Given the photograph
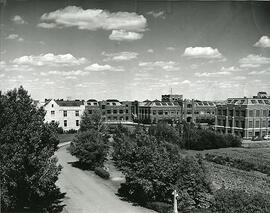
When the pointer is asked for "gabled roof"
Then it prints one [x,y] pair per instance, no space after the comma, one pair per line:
[69,103]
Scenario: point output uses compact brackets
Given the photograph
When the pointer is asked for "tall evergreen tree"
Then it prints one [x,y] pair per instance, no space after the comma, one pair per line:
[28,169]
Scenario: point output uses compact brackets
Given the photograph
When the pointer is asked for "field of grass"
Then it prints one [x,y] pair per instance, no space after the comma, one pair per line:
[65,137]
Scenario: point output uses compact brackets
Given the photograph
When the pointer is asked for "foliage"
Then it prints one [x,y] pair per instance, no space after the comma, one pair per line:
[102,173]
[153,169]
[90,147]
[199,139]
[28,167]
[164,132]
[90,144]
[232,201]
[160,207]
[242,159]
[71,131]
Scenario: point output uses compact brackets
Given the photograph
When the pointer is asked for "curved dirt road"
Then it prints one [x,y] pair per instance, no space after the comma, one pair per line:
[88,193]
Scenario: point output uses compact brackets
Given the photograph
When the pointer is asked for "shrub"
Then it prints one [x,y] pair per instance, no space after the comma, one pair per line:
[70,131]
[102,173]
[232,201]
[160,207]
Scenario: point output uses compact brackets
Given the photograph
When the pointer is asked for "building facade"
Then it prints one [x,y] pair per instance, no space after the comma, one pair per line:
[66,112]
[246,117]
[171,98]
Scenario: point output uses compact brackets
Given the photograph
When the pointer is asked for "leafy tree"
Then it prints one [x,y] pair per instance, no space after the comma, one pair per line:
[28,167]
[90,145]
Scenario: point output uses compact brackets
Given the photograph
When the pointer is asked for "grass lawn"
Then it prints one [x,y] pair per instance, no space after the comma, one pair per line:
[66,137]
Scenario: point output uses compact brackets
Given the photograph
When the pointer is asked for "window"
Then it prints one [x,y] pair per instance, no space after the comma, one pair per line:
[250,124]
[243,124]
[257,124]
[108,111]
[77,122]
[65,113]
[224,112]
[243,113]
[95,104]
[114,111]
[154,112]
[52,105]
[76,113]
[114,104]
[249,134]
[263,123]
[160,112]
[166,113]
[251,113]
[103,107]
[52,112]
[65,123]
[53,121]
[121,111]
[109,118]
[257,113]
[127,118]
[264,113]
[126,110]
[237,113]
[254,101]
[231,112]
[114,118]
[90,111]
[236,123]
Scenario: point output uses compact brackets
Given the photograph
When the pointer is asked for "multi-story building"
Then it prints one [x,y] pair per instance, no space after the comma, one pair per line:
[66,112]
[246,117]
[112,110]
[198,111]
[154,111]
[171,98]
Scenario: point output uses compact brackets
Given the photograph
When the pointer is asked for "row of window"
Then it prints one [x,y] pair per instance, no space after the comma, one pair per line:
[115,118]
[65,113]
[241,124]
[66,122]
[251,113]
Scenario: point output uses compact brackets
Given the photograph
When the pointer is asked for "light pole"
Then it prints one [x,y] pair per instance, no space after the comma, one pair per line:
[175,195]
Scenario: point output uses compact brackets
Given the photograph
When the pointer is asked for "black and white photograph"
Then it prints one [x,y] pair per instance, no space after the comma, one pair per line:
[134,106]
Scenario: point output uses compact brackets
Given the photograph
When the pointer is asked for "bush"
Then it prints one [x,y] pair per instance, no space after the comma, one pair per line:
[232,201]
[102,173]
[70,131]
[160,207]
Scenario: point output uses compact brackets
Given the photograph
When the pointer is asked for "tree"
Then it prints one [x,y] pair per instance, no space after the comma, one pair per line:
[28,167]
[90,145]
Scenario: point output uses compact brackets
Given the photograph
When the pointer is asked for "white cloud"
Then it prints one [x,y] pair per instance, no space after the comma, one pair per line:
[14,67]
[18,20]
[262,72]
[2,75]
[240,78]
[212,74]
[67,73]
[150,50]
[202,52]
[186,82]
[50,59]
[165,65]
[123,24]
[123,35]
[253,61]
[231,69]
[264,42]
[14,37]
[160,14]
[96,67]
[170,48]
[121,56]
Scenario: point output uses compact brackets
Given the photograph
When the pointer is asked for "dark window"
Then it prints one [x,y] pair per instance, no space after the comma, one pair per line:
[243,113]
[257,124]
[257,113]
[264,113]
[65,113]
[103,107]
[76,113]
[113,103]
[250,124]
[77,122]
[225,112]
[53,121]
[108,111]
[231,112]
[126,110]
[65,123]
[127,118]
[237,112]
[90,111]
[114,111]
[114,118]
[154,112]
[52,112]
[52,105]
[160,112]
[251,113]
[166,113]
[121,111]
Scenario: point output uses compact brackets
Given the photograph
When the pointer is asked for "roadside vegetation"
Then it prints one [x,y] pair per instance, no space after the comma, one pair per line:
[28,168]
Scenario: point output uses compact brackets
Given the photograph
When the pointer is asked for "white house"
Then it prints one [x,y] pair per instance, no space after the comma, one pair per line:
[66,112]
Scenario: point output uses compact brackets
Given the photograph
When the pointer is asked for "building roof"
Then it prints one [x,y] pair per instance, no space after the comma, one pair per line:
[92,100]
[157,103]
[247,101]
[205,103]
[69,103]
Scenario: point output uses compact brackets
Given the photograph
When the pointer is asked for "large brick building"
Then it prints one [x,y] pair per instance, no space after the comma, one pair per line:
[246,117]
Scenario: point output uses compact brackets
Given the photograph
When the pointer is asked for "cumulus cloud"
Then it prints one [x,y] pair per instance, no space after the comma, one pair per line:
[264,42]
[65,73]
[150,50]
[186,82]
[165,65]
[159,14]
[96,68]
[121,56]
[18,20]
[231,69]
[14,37]
[253,61]
[262,72]
[170,48]
[50,59]
[123,35]
[14,67]
[212,74]
[202,52]
[124,25]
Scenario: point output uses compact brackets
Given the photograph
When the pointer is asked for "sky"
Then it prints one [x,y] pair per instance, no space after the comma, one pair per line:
[135,50]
